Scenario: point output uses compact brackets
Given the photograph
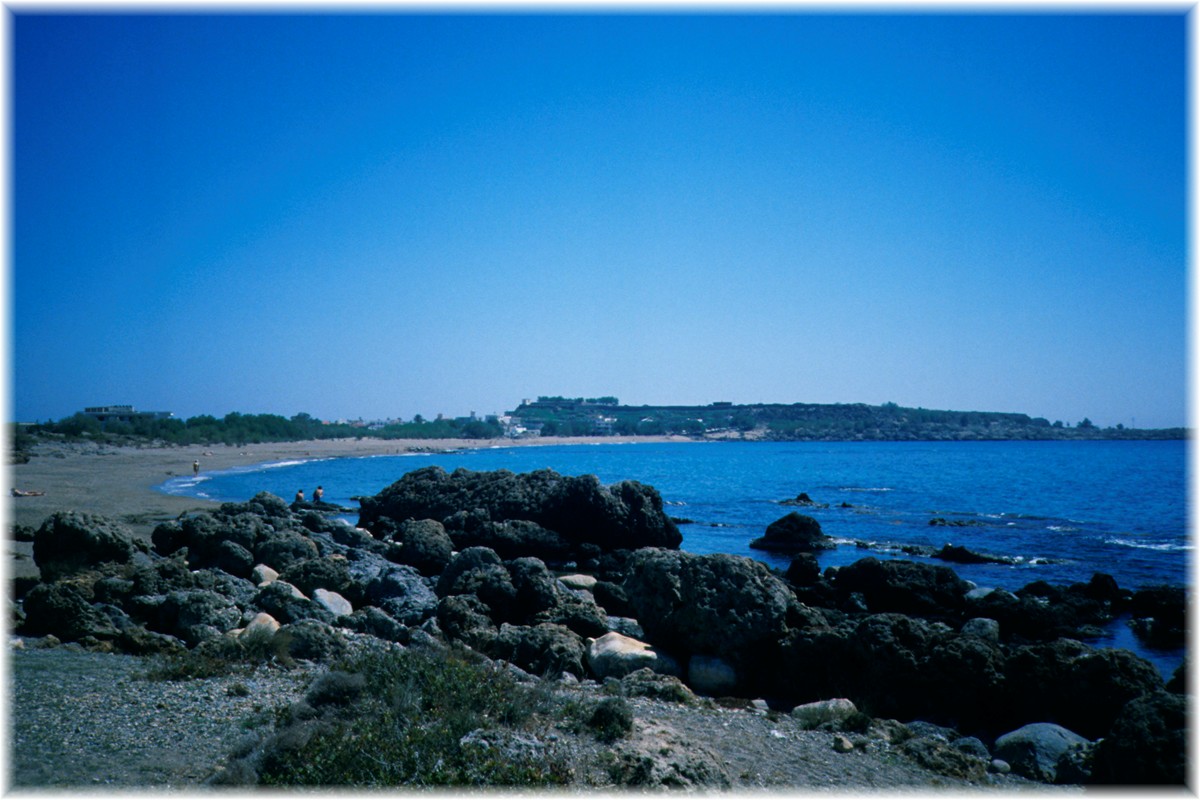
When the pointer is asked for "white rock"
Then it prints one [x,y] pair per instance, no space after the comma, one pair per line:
[263,575]
[333,602]
[614,656]
[810,715]
[585,582]
[261,621]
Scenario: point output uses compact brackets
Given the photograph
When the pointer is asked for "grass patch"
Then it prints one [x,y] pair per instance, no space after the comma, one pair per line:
[225,655]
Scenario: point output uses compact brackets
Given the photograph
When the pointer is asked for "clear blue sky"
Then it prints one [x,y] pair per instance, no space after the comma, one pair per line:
[385,215]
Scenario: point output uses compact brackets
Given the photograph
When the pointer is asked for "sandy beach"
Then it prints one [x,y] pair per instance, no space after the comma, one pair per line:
[118,482]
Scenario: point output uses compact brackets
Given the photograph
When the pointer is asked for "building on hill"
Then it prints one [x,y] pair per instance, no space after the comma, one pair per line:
[106,414]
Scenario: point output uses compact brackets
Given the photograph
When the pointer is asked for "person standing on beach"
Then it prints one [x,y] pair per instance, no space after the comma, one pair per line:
[195,467]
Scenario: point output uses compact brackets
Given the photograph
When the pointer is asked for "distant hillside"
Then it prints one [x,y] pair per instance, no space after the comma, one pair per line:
[561,416]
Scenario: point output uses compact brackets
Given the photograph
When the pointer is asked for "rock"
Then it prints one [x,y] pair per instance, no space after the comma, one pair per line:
[579,614]
[282,549]
[313,640]
[1160,615]
[1033,751]
[961,555]
[983,628]
[905,587]
[613,599]
[479,571]
[263,624]
[711,676]
[333,602]
[378,623]
[576,581]
[262,575]
[425,545]
[720,605]
[231,557]
[514,538]
[624,515]
[794,533]
[613,656]
[331,573]
[812,715]
[841,744]
[803,571]
[545,649]
[464,617]
[64,611]
[189,614]
[536,588]
[1147,745]
[935,754]
[288,604]
[71,541]
[999,766]
[403,594]
[1080,687]
[645,682]
[972,746]
[803,499]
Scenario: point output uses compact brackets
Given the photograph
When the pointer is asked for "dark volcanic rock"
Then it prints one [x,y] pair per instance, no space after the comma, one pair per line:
[544,649]
[71,541]
[425,545]
[624,515]
[794,533]
[1079,687]
[903,586]
[479,571]
[1147,743]
[718,605]
[804,570]
[1160,615]
[961,555]
[64,610]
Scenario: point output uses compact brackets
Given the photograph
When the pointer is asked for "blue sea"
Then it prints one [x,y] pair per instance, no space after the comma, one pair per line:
[1064,510]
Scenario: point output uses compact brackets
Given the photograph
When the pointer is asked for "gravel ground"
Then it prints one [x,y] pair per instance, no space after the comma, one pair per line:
[90,720]
[82,719]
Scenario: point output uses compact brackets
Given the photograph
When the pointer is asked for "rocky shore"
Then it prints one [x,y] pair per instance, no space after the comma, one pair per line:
[881,673]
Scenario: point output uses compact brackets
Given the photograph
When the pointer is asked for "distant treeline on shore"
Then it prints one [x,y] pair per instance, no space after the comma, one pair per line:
[558,416]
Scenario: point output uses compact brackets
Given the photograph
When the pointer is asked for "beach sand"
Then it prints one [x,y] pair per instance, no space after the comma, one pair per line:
[118,482]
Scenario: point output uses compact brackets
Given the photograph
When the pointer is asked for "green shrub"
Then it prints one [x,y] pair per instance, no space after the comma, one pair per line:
[612,719]
[405,726]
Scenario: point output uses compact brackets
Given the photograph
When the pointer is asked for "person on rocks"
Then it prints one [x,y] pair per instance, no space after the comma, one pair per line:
[318,494]
[299,498]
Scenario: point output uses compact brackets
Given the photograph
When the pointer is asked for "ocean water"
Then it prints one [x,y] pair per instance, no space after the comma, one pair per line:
[1063,510]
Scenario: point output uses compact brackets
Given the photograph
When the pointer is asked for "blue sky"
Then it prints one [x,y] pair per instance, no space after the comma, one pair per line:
[381,215]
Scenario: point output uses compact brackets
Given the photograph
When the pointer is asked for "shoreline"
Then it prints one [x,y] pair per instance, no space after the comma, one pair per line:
[120,482]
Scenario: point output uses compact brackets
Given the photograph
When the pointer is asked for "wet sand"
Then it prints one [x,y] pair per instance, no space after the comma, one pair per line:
[118,482]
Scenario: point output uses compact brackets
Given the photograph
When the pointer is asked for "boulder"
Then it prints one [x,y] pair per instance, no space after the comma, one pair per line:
[313,640]
[983,628]
[803,571]
[288,604]
[1160,615]
[331,573]
[71,541]
[1034,750]
[1077,686]
[614,655]
[512,538]
[424,544]
[577,581]
[333,602]
[793,533]
[282,549]
[812,715]
[545,650]
[1147,745]
[536,589]
[403,594]
[188,614]
[479,571]
[263,624]
[718,604]
[624,515]
[262,575]
[63,610]
[378,623]
[905,587]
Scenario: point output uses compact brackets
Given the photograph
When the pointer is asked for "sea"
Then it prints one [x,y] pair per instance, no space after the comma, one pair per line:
[1059,510]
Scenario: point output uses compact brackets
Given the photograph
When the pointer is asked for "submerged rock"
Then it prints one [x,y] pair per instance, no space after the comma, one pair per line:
[794,533]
